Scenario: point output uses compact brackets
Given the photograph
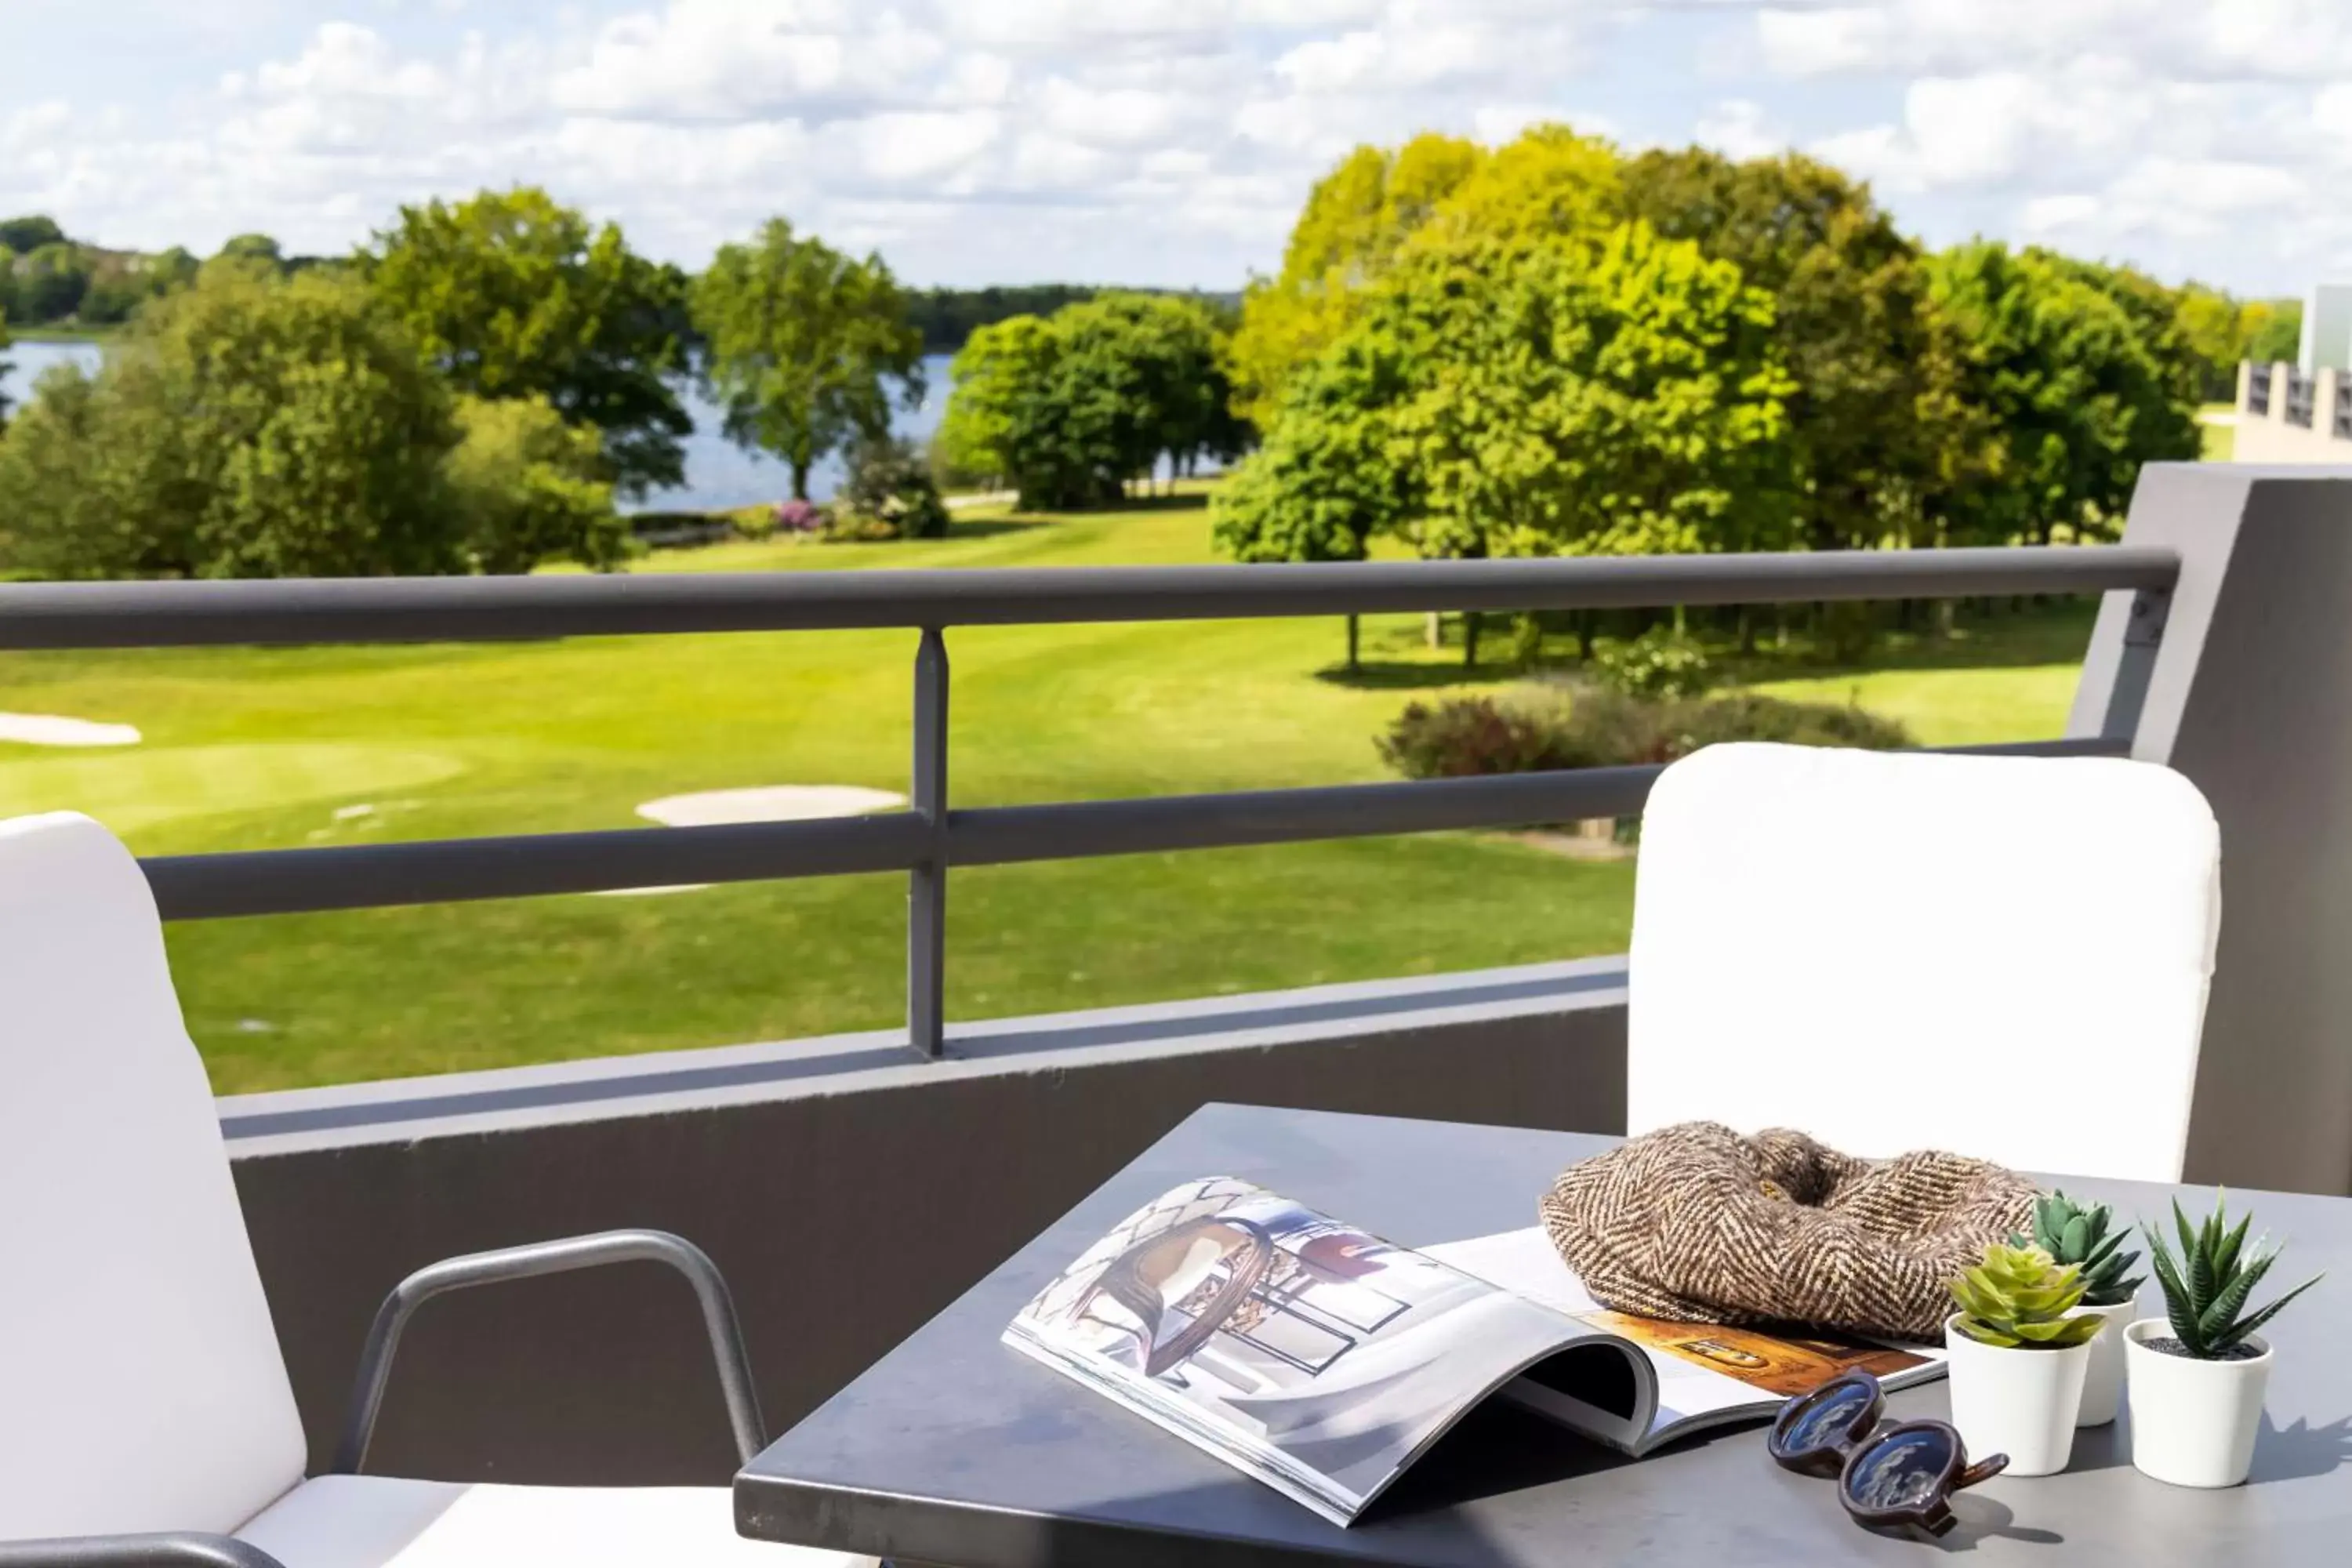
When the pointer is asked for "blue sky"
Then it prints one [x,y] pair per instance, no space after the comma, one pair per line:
[1163,142]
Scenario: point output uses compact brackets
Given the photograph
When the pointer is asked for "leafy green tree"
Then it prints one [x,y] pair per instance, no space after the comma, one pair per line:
[511,295]
[26,234]
[258,249]
[802,345]
[2077,391]
[1069,410]
[529,487]
[50,282]
[1851,320]
[1326,482]
[1582,395]
[2168,426]
[2277,335]
[2220,331]
[1539,393]
[246,428]
[1355,219]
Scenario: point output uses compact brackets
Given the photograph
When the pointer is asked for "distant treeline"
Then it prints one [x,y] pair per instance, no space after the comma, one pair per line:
[947,317]
[48,279]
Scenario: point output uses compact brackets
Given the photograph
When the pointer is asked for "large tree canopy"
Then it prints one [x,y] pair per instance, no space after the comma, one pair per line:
[1356,217]
[248,429]
[804,345]
[1532,395]
[1680,350]
[1068,409]
[1851,318]
[511,295]
[2076,390]
[254,427]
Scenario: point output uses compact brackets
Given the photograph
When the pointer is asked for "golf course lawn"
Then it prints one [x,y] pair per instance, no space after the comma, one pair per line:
[253,749]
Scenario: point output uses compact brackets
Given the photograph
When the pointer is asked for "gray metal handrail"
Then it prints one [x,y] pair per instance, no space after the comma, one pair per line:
[927,838]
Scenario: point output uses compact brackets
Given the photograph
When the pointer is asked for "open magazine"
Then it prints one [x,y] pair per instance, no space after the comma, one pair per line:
[1323,1360]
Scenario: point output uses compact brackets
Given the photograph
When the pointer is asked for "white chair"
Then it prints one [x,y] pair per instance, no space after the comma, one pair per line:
[2003,956]
[145,1414]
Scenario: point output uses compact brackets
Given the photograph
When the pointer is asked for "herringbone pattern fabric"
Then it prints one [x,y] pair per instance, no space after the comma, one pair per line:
[1695,1224]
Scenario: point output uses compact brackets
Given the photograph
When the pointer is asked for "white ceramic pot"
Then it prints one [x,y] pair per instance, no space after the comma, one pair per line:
[2193,1421]
[2022,1402]
[2102,1383]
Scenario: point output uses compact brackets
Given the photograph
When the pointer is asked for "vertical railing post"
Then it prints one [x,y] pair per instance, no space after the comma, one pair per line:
[926,884]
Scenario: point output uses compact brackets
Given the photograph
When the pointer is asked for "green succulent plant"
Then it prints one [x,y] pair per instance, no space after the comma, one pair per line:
[2018,1299]
[2206,1285]
[2073,1234]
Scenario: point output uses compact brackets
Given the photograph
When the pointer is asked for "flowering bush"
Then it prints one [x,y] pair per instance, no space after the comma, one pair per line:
[797,516]
[1659,663]
[1533,729]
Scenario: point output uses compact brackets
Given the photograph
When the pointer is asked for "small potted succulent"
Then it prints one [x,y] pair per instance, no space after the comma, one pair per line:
[2087,1239]
[2018,1356]
[2199,1373]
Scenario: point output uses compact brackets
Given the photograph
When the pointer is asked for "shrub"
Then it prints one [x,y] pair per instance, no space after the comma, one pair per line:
[529,487]
[890,493]
[798,517]
[1661,662]
[243,428]
[1590,727]
[1745,716]
[1466,737]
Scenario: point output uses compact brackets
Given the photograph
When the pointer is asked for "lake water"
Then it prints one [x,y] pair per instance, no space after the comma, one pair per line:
[718,472]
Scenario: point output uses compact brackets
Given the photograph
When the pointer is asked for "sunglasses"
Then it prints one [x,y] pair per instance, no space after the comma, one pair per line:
[1905,1473]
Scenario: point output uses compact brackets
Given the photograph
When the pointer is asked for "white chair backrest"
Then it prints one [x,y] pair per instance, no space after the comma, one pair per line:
[141,1386]
[2003,956]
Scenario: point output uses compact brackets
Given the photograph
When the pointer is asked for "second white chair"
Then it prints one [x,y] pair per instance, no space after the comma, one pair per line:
[2002,956]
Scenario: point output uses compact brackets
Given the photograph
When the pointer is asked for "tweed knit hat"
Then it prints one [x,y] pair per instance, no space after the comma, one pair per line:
[1696,1224]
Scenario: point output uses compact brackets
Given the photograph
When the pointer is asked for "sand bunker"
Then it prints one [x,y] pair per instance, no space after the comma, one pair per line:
[54,729]
[770,802]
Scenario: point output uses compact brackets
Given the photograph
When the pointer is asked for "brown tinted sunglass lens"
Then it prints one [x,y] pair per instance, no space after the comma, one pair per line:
[1904,1471]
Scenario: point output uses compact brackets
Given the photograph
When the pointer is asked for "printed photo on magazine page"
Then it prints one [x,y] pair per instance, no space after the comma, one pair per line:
[1308,1352]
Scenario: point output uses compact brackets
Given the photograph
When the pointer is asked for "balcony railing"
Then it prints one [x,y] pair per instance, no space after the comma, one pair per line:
[2301,391]
[929,837]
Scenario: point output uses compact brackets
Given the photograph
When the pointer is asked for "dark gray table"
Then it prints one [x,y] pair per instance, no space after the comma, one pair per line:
[953,1450]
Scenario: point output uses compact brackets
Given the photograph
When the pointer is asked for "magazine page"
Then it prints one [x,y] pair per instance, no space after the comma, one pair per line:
[1304,1350]
[1705,1372]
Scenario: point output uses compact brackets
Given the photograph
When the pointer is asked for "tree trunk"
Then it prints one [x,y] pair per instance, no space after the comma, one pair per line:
[1354,665]
[1433,630]
[800,479]
[1584,619]
[1470,639]
[1747,630]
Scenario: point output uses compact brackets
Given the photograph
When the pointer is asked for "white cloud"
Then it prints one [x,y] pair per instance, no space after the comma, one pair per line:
[1170,140]
[1740,128]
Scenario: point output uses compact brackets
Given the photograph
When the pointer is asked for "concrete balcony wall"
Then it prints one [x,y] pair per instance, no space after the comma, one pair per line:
[847,1192]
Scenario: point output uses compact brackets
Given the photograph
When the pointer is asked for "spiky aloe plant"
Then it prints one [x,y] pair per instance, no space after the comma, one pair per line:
[2073,1234]
[2018,1299]
[2206,1288]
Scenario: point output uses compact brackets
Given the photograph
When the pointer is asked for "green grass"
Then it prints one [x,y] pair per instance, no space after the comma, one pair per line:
[253,749]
